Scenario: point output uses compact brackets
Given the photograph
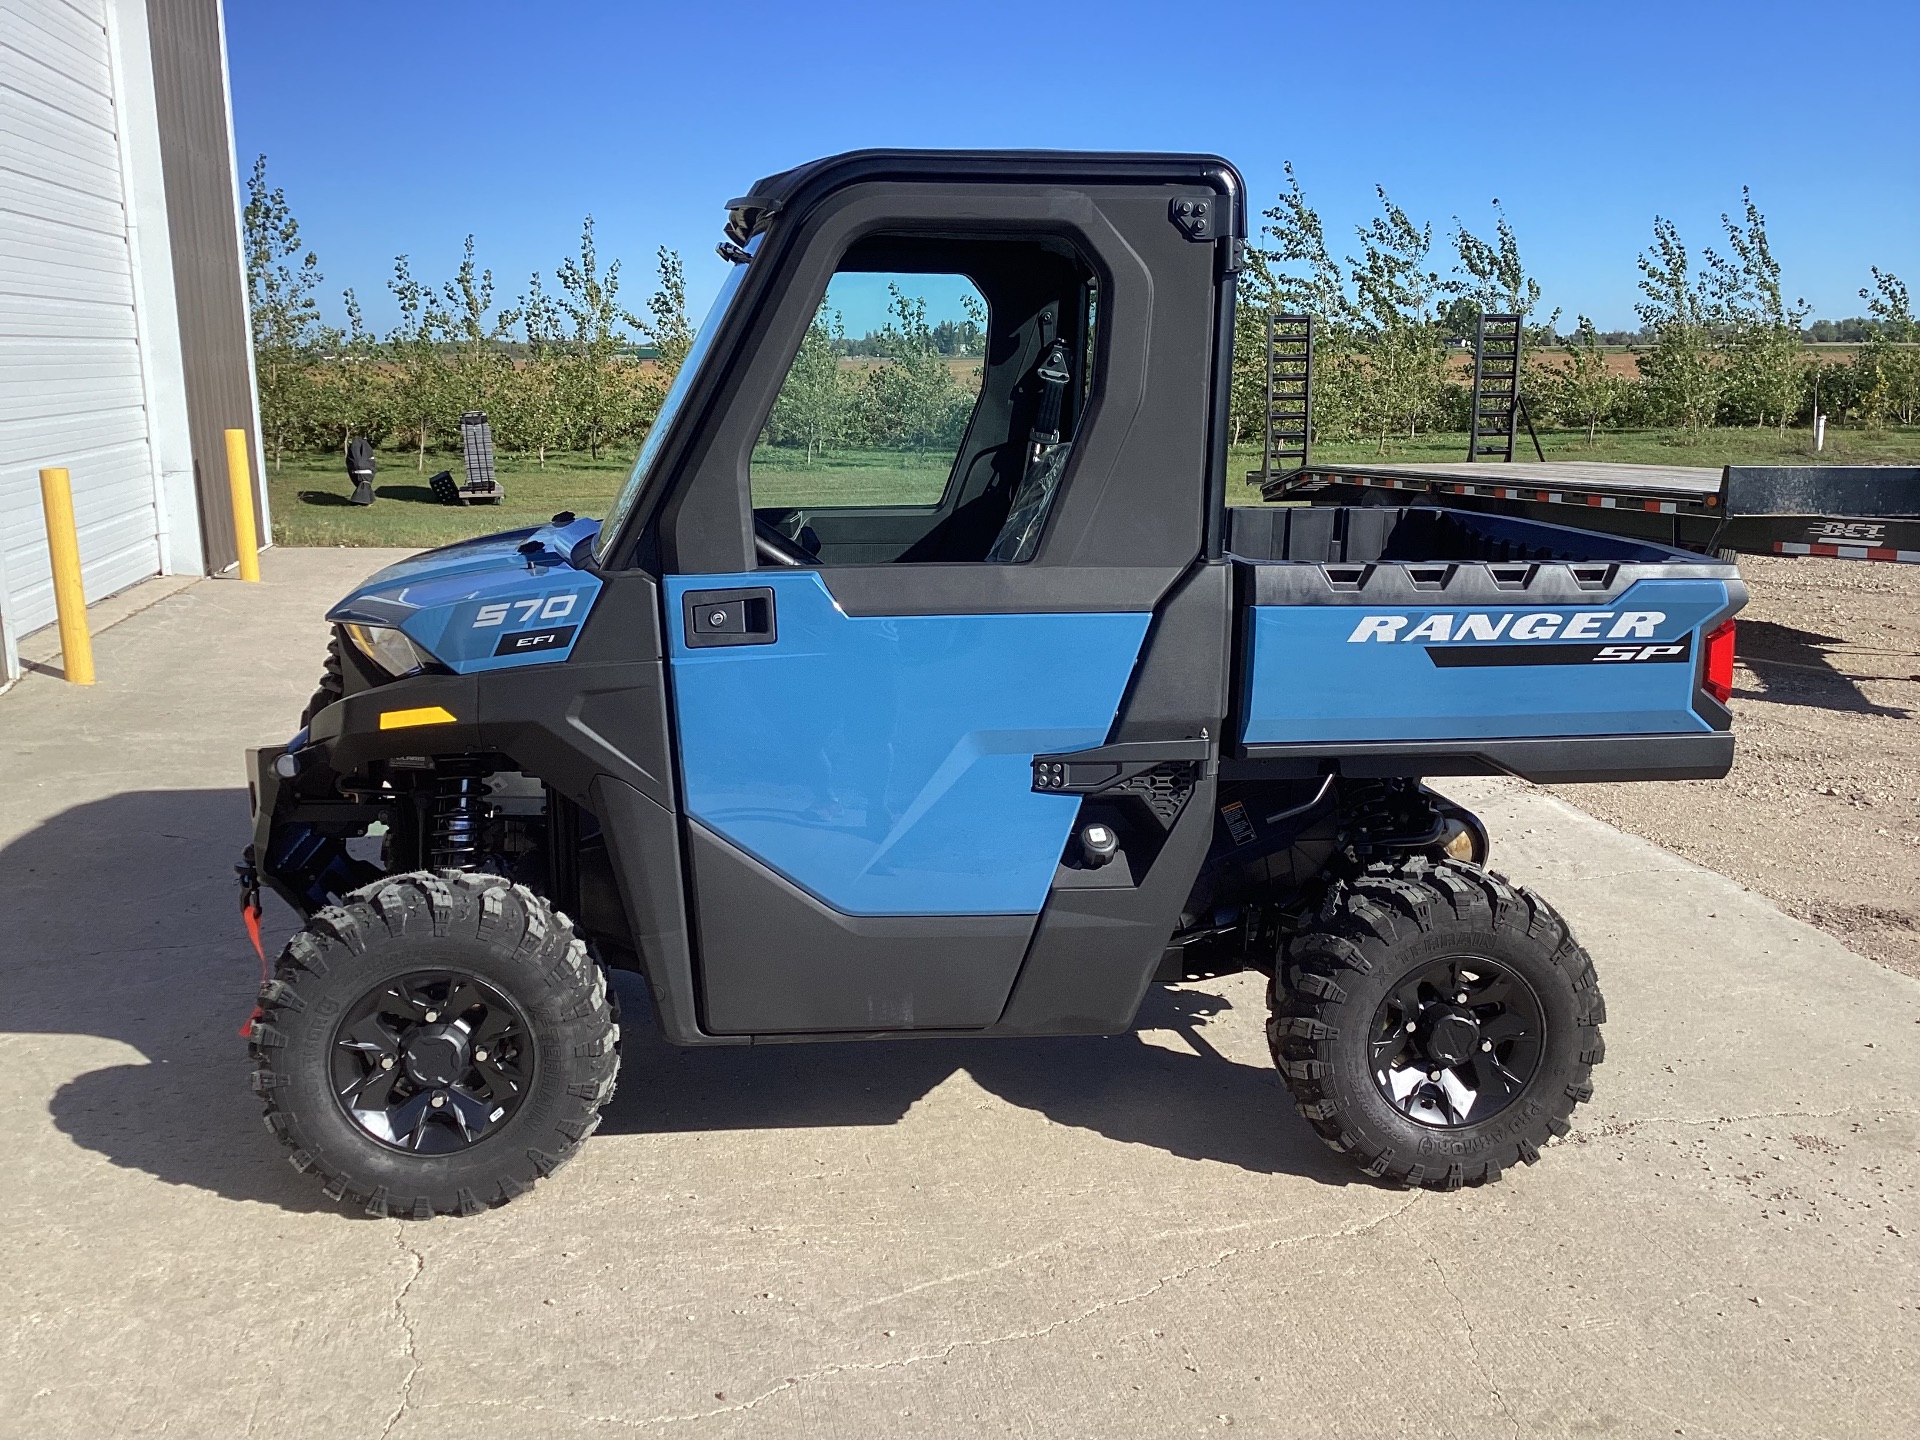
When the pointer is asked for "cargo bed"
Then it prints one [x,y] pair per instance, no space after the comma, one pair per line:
[1427,641]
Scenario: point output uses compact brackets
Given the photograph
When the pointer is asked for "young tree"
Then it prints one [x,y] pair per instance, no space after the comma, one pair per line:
[480,365]
[357,392]
[598,390]
[537,418]
[1889,366]
[1395,300]
[1491,279]
[1583,389]
[1297,274]
[814,401]
[1490,274]
[1757,331]
[669,330]
[281,281]
[1304,275]
[913,399]
[414,351]
[1680,369]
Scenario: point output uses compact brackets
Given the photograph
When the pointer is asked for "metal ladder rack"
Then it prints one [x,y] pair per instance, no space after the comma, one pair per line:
[1496,386]
[1289,428]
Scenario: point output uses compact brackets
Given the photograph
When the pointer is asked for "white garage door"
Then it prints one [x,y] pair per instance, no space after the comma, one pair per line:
[71,391]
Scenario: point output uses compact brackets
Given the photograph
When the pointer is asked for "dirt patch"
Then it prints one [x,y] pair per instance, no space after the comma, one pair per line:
[1821,812]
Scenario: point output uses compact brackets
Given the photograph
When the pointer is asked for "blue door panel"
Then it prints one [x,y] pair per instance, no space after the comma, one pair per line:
[1359,672]
[883,763]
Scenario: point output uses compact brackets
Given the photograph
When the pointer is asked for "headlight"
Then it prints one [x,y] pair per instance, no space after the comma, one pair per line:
[392,651]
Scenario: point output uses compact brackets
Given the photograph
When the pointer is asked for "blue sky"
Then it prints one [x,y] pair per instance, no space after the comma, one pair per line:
[401,126]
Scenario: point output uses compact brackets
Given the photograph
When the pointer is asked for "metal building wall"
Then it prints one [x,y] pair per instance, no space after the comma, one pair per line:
[72,389]
[196,146]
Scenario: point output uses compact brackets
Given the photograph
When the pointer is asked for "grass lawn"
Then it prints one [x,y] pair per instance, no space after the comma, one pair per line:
[310,494]
[309,498]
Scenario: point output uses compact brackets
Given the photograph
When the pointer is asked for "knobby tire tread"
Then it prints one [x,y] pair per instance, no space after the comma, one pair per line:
[508,919]
[1359,925]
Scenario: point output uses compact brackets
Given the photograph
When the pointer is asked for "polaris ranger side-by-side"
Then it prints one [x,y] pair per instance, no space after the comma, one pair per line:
[981,749]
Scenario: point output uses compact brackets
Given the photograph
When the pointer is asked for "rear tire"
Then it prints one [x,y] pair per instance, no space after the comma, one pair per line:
[1436,1024]
[371,1051]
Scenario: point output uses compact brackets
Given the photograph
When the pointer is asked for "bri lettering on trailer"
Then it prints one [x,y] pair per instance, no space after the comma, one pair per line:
[1451,625]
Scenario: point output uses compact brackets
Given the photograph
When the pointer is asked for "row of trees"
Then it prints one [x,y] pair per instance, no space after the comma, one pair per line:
[1720,344]
[567,366]
[916,395]
[555,369]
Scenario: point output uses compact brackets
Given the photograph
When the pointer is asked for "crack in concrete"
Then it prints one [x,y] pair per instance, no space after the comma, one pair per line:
[827,1372]
[1601,1130]
[1189,1233]
[952,1279]
[406,1328]
[1473,1347]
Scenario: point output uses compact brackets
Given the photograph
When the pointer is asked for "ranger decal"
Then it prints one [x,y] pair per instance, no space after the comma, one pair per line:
[1451,625]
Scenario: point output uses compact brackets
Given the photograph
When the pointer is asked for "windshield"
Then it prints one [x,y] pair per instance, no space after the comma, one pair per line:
[669,407]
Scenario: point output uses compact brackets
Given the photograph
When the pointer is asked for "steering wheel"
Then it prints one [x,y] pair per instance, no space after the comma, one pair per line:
[773,547]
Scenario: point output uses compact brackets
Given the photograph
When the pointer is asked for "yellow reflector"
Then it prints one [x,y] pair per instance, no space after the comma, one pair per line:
[425,715]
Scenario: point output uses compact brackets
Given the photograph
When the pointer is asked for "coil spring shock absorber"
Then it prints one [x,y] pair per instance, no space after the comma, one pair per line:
[459,810]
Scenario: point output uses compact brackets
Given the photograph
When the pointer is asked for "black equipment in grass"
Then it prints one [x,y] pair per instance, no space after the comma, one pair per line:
[360,469]
[481,486]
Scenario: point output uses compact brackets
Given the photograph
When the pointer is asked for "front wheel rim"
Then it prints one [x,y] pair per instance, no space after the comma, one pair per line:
[431,1063]
[1456,1041]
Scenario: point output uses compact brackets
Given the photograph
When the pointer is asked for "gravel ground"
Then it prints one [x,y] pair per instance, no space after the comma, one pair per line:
[1822,811]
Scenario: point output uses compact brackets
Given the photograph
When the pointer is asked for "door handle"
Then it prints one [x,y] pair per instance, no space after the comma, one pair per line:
[728,617]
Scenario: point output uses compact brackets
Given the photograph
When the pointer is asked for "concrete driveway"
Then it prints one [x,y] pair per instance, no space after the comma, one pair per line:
[1123,1237]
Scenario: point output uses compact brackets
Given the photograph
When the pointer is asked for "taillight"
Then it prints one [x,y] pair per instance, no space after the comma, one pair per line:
[1719,668]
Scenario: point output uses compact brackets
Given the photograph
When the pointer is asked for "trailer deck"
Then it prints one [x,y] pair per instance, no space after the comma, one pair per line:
[1848,512]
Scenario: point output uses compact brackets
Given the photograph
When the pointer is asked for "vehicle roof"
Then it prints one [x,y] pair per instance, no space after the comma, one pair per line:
[808,182]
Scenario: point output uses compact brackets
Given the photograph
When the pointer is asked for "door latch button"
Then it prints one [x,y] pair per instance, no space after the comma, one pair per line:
[729,617]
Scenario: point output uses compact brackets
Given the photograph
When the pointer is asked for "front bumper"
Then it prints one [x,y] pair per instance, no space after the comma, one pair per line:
[299,848]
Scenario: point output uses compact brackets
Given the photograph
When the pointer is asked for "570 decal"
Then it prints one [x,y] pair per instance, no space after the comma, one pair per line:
[539,608]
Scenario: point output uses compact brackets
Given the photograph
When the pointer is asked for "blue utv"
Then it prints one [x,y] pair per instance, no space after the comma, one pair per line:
[980,736]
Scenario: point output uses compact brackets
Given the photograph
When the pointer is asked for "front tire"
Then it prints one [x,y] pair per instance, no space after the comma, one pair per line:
[1436,1024]
[331,685]
[435,1044]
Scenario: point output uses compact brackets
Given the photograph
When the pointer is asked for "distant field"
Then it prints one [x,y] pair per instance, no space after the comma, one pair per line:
[1621,360]
[310,497]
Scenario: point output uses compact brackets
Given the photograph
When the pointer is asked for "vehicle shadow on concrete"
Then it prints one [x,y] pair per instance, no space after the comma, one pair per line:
[122,923]
[1800,667]
[1195,1104]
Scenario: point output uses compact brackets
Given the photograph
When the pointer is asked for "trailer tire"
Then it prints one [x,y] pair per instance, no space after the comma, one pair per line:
[1380,1057]
[370,1050]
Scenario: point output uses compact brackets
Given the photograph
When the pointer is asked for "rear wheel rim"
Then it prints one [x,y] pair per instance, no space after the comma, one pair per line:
[1456,1041]
[432,1062]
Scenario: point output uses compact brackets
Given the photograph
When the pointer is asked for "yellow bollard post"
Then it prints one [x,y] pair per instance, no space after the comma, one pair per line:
[69,595]
[240,486]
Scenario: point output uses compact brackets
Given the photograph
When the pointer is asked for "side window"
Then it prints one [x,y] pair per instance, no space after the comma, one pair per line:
[875,408]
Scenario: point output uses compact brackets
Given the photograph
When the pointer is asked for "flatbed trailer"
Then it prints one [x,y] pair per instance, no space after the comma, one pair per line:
[1847,512]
